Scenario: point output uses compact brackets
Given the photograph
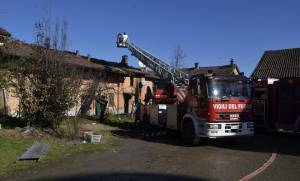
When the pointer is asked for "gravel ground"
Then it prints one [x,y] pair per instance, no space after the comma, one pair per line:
[165,158]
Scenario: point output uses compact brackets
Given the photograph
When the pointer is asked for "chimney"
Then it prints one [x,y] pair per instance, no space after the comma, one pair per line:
[77,53]
[124,60]
[88,57]
[231,61]
[196,65]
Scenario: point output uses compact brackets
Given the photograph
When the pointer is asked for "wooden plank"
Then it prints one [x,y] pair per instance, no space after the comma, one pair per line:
[35,152]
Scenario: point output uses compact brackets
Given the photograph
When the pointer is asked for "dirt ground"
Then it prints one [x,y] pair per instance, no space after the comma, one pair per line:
[165,158]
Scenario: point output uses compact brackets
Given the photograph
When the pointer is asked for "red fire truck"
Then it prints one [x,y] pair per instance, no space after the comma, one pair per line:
[277,104]
[199,105]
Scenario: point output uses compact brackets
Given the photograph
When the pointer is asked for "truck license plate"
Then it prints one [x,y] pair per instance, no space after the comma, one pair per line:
[234,117]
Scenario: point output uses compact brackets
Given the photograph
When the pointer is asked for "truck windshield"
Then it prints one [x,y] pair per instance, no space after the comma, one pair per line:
[228,89]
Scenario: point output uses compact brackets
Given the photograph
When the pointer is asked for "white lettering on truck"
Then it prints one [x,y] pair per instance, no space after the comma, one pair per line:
[231,106]
[220,106]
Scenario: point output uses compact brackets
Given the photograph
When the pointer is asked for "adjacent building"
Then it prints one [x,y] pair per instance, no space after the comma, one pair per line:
[276,90]
[229,69]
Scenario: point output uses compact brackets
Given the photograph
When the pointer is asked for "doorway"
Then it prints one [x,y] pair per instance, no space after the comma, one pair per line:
[3,110]
[127,97]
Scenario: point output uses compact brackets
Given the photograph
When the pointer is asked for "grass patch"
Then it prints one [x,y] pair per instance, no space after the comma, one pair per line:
[118,118]
[11,148]
[120,121]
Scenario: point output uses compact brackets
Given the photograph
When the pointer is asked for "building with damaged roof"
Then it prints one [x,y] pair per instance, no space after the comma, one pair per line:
[120,84]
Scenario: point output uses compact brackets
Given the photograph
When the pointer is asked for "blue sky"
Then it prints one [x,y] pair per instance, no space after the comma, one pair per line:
[209,31]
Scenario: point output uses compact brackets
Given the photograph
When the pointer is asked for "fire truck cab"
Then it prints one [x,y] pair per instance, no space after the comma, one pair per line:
[220,106]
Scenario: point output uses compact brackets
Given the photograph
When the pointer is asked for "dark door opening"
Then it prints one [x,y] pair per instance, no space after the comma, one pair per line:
[127,97]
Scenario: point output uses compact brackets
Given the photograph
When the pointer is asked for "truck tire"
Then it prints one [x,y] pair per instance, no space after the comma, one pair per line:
[189,135]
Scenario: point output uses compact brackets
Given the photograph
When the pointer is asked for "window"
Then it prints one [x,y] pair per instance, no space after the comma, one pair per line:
[196,87]
[131,81]
[223,88]
[259,94]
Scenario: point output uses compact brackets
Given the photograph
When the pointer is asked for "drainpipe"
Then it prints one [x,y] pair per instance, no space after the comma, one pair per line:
[118,99]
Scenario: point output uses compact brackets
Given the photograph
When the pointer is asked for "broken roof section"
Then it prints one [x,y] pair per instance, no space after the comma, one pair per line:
[283,63]
[3,32]
[22,49]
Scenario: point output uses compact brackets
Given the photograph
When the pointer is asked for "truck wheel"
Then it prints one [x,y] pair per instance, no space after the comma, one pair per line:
[189,134]
[146,122]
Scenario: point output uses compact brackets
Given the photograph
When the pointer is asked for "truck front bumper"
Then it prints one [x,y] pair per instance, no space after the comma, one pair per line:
[216,130]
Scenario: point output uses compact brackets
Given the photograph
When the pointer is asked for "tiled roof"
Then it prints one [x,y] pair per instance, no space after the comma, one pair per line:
[217,70]
[22,49]
[283,63]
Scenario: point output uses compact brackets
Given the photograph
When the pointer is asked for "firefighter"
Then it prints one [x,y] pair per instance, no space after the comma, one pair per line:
[125,37]
[119,39]
[148,95]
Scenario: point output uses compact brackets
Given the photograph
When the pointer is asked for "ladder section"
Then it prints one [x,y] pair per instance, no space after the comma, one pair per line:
[163,69]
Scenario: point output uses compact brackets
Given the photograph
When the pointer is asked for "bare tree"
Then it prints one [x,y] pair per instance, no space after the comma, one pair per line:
[46,85]
[178,57]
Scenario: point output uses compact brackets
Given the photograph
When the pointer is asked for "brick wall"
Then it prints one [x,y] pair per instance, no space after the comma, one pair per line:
[120,94]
